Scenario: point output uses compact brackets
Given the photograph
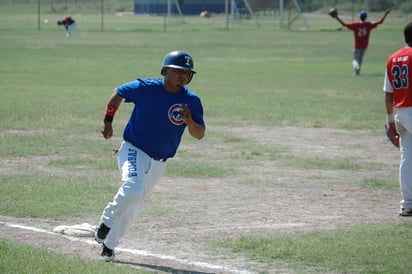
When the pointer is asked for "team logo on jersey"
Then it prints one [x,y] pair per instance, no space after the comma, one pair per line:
[175,115]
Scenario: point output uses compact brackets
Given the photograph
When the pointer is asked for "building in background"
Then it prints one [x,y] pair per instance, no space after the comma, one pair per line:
[159,7]
[191,7]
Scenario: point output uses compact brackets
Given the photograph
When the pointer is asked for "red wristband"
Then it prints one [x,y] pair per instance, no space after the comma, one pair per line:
[110,112]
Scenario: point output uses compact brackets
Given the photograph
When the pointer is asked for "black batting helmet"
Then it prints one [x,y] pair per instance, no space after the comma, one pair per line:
[179,59]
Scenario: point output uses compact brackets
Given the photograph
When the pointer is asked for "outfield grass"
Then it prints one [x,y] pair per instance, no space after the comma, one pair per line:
[16,258]
[54,88]
[373,248]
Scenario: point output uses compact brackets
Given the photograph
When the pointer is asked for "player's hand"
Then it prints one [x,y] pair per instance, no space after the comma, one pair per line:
[392,133]
[196,130]
[107,130]
[333,12]
[186,114]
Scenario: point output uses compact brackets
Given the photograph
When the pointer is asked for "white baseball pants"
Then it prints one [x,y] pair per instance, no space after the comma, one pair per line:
[357,58]
[403,120]
[139,174]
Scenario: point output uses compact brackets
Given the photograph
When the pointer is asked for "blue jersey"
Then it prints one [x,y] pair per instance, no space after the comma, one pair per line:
[155,124]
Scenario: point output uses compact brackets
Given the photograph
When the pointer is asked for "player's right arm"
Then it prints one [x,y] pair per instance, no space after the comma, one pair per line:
[112,105]
[383,17]
[387,88]
[389,106]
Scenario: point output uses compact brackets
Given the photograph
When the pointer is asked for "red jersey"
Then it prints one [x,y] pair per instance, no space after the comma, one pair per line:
[361,32]
[398,74]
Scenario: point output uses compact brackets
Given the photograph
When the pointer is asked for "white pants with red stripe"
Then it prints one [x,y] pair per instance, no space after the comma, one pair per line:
[403,120]
[139,174]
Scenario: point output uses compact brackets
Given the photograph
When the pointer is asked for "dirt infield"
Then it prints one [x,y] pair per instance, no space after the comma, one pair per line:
[265,197]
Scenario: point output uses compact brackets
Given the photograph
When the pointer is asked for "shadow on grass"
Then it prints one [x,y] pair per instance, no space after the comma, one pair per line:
[165,269]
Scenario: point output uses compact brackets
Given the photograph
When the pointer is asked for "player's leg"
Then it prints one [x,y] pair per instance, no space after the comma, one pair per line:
[132,168]
[404,126]
[70,29]
[355,63]
[155,172]
[361,53]
[119,229]
[139,173]
[150,176]
[357,60]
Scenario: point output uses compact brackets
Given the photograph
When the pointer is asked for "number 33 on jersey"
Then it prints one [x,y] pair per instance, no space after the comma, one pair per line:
[397,77]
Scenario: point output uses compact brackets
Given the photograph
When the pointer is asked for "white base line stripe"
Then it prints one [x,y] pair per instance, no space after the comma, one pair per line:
[132,251]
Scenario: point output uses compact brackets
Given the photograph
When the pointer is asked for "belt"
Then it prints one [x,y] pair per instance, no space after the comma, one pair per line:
[159,159]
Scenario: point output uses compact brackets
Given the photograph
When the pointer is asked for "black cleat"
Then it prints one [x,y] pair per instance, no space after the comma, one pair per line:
[107,254]
[101,232]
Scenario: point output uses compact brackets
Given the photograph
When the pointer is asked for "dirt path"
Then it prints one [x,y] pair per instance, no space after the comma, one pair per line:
[266,197]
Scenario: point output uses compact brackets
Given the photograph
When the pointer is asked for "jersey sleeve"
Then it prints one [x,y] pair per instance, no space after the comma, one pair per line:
[387,87]
[196,107]
[351,25]
[374,25]
[129,90]
[197,113]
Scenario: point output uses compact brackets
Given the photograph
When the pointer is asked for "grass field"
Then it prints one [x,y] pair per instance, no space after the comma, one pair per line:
[54,90]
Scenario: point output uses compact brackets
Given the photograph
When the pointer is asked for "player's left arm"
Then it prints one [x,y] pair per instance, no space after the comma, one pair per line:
[383,17]
[195,129]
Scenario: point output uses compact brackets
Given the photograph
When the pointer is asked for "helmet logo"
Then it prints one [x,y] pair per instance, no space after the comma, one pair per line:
[175,115]
[188,59]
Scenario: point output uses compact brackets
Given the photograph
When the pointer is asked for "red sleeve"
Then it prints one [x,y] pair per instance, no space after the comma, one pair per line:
[352,25]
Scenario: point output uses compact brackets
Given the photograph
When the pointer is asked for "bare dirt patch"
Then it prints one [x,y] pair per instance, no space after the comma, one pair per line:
[266,197]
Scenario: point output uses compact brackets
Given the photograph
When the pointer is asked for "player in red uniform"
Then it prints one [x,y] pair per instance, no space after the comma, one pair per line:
[361,31]
[398,94]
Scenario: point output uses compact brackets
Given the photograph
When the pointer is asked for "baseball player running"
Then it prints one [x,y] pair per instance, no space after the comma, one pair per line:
[163,108]
[398,94]
[361,31]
